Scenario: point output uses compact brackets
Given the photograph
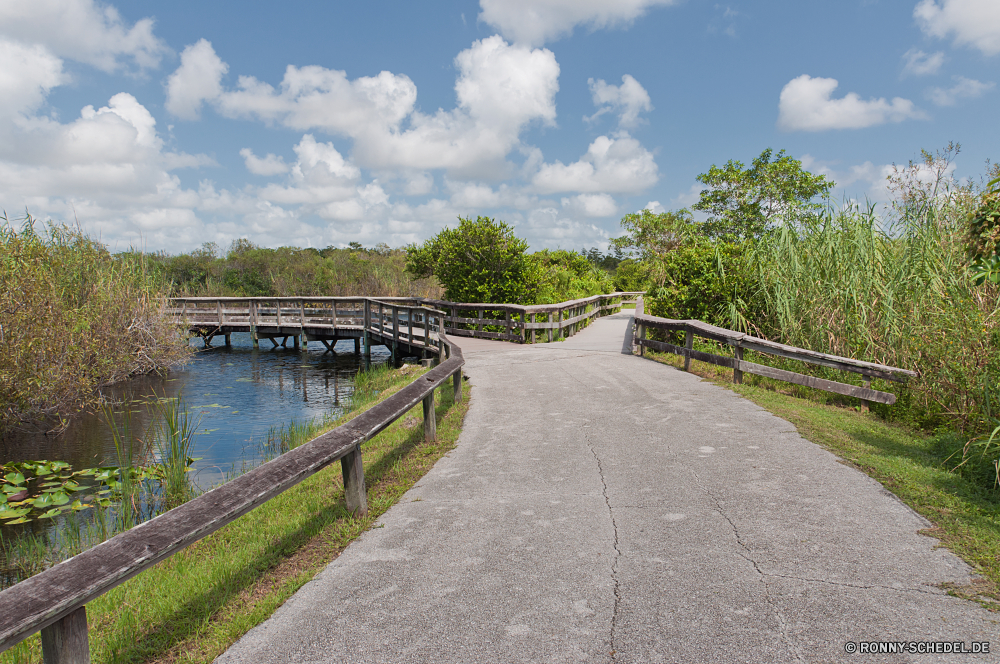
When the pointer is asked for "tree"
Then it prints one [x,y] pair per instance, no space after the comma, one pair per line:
[745,203]
[480,261]
[653,236]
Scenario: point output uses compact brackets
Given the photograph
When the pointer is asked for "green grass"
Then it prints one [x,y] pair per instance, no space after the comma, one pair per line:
[191,607]
[914,466]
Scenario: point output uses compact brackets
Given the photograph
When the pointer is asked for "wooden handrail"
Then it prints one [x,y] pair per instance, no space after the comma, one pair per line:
[517,322]
[53,601]
[740,342]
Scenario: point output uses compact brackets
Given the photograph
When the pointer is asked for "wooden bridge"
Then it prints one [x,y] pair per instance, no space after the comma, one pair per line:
[53,601]
[410,326]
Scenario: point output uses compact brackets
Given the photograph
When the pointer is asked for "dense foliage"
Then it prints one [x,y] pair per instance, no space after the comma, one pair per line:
[745,203]
[248,270]
[73,318]
[894,288]
[479,261]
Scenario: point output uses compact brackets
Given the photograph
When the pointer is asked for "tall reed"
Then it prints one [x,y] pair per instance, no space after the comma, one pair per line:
[75,319]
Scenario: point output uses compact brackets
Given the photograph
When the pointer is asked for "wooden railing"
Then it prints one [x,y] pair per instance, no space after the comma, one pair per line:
[741,342]
[54,601]
[393,320]
[517,321]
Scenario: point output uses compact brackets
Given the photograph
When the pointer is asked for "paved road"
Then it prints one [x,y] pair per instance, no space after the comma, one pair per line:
[602,507]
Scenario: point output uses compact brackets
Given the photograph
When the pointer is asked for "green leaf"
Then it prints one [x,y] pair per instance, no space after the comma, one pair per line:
[14,478]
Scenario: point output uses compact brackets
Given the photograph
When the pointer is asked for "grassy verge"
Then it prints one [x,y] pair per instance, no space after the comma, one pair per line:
[191,607]
[965,514]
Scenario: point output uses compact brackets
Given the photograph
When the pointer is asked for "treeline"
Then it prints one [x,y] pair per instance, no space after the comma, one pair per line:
[245,269]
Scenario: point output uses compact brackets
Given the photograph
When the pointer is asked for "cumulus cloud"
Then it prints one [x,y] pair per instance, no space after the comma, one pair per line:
[628,99]
[534,22]
[27,73]
[500,89]
[269,165]
[617,165]
[806,105]
[590,205]
[654,207]
[918,63]
[974,23]
[199,78]
[964,88]
[82,30]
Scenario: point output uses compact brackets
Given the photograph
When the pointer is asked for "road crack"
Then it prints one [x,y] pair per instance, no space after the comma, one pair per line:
[746,555]
[618,553]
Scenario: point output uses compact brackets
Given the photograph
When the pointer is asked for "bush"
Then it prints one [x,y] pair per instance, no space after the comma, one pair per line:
[75,319]
[480,261]
[565,275]
[710,282]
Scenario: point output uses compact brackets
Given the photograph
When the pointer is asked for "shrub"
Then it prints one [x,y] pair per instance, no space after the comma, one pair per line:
[74,319]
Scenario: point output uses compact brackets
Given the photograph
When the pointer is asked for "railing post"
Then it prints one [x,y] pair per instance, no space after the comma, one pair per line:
[355,494]
[430,421]
[440,338]
[642,337]
[302,324]
[334,315]
[737,357]
[409,326]
[865,404]
[454,315]
[481,314]
[524,319]
[366,323]
[508,323]
[253,324]
[689,344]
[65,641]
[395,332]
[219,311]
[548,330]
[456,379]
[277,310]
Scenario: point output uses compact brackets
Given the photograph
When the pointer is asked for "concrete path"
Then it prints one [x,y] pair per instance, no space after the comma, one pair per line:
[602,507]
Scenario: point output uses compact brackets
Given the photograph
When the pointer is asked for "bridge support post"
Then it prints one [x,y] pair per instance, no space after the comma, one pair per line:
[355,494]
[689,344]
[65,641]
[229,341]
[305,341]
[357,345]
[430,420]
[456,379]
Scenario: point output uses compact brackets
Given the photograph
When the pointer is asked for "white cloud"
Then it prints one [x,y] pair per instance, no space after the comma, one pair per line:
[973,23]
[27,73]
[500,90]
[269,165]
[654,207]
[535,22]
[964,88]
[689,197]
[918,63]
[199,78]
[617,165]
[590,205]
[629,99]
[82,30]
[806,105]
[548,228]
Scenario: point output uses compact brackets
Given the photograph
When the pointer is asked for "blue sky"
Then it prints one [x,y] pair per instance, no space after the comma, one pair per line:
[167,125]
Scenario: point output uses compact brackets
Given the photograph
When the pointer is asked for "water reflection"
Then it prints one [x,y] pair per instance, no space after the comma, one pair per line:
[238,393]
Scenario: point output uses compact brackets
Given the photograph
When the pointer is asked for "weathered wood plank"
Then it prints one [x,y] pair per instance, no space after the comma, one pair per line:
[718,360]
[66,641]
[867,394]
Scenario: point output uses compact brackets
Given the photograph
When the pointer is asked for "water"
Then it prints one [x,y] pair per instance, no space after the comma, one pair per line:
[239,393]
